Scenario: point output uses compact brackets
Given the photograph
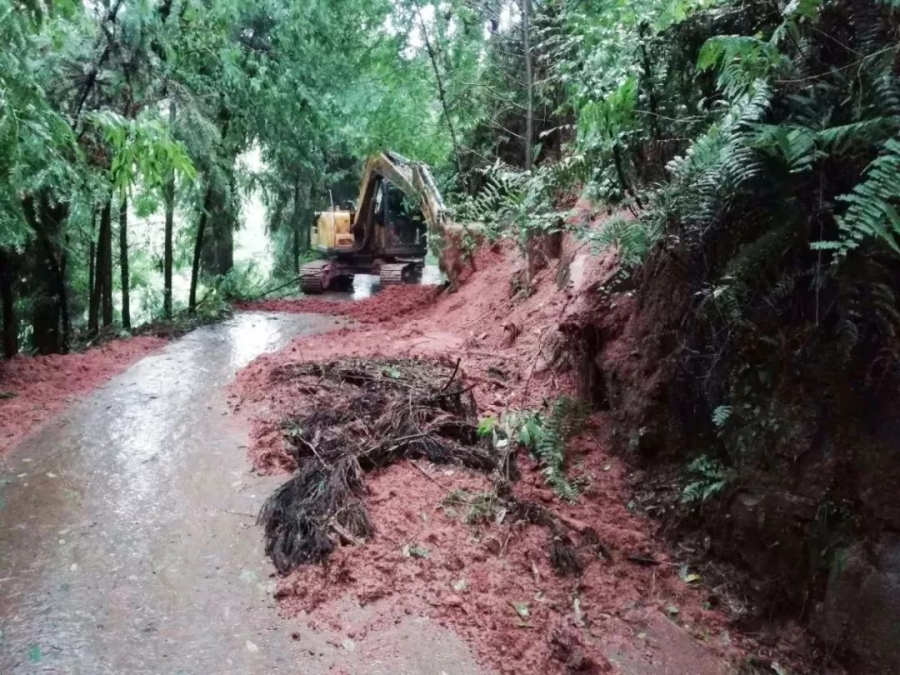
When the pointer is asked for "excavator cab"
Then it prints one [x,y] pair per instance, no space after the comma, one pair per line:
[401,219]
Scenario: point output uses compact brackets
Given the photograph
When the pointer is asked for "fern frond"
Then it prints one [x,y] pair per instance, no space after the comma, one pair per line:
[743,61]
[842,139]
[872,212]
[631,239]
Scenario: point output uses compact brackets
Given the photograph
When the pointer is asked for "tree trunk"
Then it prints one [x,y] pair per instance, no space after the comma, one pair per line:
[529,83]
[49,315]
[170,220]
[198,249]
[306,223]
[45,283]
[101,300]
[123,264]
[92,257]
[297,225]
[432,56]
[648,80]
[94,300]
[7,299]
[107,299]
[222,220]
[64,299]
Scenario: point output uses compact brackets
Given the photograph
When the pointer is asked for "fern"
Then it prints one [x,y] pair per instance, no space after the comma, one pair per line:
[631,238]
[795,145]
[844,138]
[708,478]
[546,438]
[743,62]
[721,415]
[872,212]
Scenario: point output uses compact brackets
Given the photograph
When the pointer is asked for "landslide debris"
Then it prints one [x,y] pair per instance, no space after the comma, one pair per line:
[363,415]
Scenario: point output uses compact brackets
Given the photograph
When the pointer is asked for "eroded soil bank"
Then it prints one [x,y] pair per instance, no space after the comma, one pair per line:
[636,609]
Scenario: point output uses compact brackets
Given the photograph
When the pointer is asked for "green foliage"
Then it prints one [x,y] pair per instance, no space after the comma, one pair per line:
[872,211]
[742,61]
[706,479]
[720,415]
[143,151]
[629,237]
[545,436]
[486,426]
[243,282]
[514,203]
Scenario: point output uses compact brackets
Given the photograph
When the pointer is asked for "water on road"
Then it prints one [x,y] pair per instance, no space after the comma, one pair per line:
[128,543]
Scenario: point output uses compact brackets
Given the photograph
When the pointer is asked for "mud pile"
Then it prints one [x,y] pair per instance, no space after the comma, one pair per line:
[388,305]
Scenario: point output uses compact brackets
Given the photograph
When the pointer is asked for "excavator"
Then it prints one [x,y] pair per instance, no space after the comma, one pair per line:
[387,232]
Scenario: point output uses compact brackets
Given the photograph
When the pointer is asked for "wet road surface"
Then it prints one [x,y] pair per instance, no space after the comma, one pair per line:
[128,543]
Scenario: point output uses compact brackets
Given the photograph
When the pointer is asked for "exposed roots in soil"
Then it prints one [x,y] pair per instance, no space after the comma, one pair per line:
[364,415]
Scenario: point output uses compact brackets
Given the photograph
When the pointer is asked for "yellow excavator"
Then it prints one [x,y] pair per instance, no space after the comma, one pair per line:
[399,212]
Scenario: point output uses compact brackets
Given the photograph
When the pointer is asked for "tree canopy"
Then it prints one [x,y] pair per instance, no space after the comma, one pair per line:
[130,116]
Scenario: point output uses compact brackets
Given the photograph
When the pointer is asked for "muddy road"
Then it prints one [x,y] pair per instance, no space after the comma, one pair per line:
[128,543]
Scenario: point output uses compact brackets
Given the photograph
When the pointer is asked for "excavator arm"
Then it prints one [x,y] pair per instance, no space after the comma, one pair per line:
[416,181]
[385,242]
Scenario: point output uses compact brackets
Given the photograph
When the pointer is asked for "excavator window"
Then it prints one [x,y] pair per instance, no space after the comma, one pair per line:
[378,205]
[394,209]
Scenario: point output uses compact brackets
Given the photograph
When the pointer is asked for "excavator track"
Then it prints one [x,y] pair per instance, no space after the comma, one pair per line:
[315,277]
[394,274]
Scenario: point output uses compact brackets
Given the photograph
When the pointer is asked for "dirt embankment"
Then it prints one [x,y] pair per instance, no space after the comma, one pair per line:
[637,609]
[34,388]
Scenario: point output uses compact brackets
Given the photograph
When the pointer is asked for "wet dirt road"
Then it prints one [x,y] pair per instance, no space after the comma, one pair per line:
[128,543]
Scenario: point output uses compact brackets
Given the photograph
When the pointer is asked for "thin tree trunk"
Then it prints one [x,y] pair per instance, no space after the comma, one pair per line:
[441,93]
[170,219]
[620,171]
[101,303]
[10,324]
[297,225]
[92,255]
[123,264]
[198,248]
[306,224]
[93,281]
[648,79]
[529,82]
[64,299]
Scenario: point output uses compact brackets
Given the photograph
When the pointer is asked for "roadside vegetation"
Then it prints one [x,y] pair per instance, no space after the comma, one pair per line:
[740,157]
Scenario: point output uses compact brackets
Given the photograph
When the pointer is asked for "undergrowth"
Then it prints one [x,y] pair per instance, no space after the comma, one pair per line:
[545,436]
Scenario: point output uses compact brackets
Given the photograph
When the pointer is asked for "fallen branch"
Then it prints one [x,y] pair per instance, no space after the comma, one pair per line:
[455,371]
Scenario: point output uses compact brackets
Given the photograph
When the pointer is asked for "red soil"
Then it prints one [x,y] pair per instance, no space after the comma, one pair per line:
[41,386]
[509,348]
[473,577]
[391,303]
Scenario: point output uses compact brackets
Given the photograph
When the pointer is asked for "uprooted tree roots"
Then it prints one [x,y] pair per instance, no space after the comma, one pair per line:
[364,415]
